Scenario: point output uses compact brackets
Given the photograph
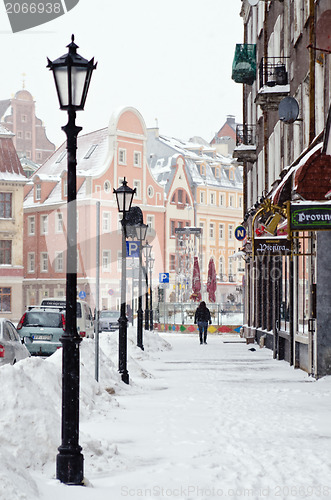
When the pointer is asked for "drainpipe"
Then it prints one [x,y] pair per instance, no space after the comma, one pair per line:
[311,70]
[265,112]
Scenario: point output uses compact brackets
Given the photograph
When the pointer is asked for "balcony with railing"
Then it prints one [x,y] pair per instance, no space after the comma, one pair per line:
[245,149]
[273,82]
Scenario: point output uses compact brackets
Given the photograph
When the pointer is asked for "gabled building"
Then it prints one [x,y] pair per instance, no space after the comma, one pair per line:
[18,115]
[224,140]
[203,207]
[104,158]
[12,181]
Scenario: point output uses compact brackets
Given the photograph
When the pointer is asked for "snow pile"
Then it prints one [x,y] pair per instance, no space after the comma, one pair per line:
[30,409]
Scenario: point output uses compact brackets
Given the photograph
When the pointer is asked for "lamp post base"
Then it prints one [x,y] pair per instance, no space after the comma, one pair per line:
[125,377]
[69,466]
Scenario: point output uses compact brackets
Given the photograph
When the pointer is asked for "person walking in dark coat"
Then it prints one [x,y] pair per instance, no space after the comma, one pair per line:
[202,318]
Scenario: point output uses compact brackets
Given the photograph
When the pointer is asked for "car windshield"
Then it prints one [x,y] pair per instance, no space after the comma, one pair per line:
[109,314]
[43,319]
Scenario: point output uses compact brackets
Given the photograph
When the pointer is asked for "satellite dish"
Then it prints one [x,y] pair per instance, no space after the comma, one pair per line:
[288,110]
[253,2]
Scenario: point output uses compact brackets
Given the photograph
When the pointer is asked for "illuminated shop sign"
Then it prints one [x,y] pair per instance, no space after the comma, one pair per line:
[310,217]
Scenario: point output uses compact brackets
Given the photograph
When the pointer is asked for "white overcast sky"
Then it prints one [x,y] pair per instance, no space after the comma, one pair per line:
[170,59]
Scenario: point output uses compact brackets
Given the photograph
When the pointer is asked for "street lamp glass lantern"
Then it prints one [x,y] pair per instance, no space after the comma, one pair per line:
[124,196]
[141,231]
[72,75]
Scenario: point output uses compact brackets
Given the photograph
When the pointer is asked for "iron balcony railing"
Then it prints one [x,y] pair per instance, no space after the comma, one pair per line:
[246,135]
[273,71]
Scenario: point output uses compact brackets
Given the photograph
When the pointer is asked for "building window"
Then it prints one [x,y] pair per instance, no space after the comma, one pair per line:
[180,196]
[5,205]
[202,225]
[122,156]
[150,191]
[58,262]
[150,220]
[23,118]
[107,186]
[5,252]
[31,225]
[221,200]
[106,222]
[221,231]
[221,267]
[230,232]
[203,170]
[44,224]
[231,200]
[38,191]
[44,262]
[106,260]
[137,159]
[19,134]
[65,186]
[119,260]
[217,172]
[212,230]
[137,185]
[202,197]
[172,262]
[27,135]
[212,198]
[240,201]
[31,262]
[5,299]
[39,155]
[172,228]
[59,222]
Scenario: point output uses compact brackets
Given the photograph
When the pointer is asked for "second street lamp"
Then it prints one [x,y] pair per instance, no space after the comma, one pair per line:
[141,230]
[124,196]
[148,253]
[151,318]
[72,74]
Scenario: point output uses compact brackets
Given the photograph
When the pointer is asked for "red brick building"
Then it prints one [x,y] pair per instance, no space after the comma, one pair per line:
[19,116]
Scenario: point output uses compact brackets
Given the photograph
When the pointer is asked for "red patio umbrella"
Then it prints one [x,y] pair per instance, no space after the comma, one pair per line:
[211,281]
[196,283]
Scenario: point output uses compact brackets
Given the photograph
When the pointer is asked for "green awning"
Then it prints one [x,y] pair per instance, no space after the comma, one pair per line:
[244,63]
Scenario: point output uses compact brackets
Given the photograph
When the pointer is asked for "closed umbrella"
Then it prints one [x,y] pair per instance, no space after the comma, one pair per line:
[211,281]
[196,282]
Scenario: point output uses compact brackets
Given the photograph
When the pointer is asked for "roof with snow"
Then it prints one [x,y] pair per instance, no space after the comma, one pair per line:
[163,152]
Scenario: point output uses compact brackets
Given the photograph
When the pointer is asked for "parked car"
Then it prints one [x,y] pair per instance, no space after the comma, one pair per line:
[12,348]
[108,321]
[45,325]
[84,321]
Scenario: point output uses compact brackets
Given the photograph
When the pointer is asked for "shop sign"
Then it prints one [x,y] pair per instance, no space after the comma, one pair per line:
[310,217]
[272,246]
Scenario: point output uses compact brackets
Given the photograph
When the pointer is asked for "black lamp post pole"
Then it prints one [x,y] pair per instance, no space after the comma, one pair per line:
[140,301]
[69,463]
[151,319]
[123,322]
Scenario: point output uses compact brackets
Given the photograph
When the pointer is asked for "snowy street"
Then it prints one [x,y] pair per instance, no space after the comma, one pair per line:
[211,421]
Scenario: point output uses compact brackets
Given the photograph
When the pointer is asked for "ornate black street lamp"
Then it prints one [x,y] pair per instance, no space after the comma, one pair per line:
[148,255]
[141,231]
[72,74]
[124,196]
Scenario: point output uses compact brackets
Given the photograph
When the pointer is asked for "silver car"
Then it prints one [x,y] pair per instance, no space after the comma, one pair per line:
[108,321]
[12,348]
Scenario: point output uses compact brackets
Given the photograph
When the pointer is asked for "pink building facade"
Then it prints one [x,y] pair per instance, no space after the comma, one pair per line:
[104,158]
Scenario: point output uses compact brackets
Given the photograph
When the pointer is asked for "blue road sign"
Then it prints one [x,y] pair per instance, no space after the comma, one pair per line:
[132,248]
[82,294]
[240,233]
[164,277]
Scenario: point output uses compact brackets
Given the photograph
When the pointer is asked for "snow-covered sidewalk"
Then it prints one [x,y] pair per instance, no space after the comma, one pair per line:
[208,422]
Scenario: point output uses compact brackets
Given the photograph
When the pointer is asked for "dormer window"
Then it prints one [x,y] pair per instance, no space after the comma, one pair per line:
[203,169]
[38,191]
[65,187]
